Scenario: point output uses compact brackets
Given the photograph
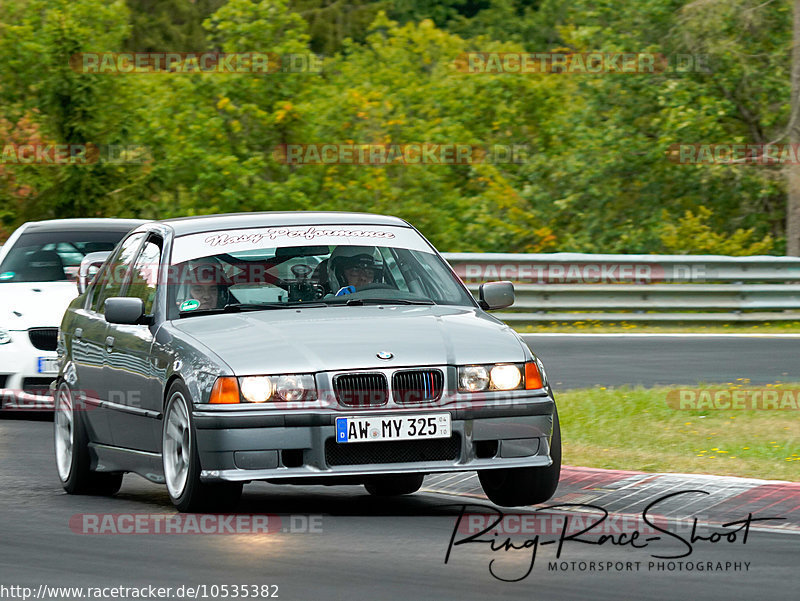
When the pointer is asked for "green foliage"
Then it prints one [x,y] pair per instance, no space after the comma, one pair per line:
[169,25]
[596,178]
[331,22]
[692,235]
[39,38]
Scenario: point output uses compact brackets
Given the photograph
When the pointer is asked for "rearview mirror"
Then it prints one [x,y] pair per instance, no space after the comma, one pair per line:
[125,310]
[496,295]
[88,269]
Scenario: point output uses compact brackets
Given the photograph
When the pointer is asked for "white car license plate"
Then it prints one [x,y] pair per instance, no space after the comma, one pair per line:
[47,365]
[393,427]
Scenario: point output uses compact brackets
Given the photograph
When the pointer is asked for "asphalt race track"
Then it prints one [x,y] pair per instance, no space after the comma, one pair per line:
[583,361]
[361,547]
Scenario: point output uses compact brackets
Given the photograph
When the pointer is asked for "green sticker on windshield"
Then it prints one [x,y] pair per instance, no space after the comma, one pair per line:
[7,275]
[190,305]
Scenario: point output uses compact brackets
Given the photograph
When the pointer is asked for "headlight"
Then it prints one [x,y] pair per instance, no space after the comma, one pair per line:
[501,376]
[5,336]
[505,377]
[259,389]
[473,378]
[256,389]
[295,388]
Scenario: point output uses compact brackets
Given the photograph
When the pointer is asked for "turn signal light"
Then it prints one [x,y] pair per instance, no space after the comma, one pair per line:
[533,379]
[225,391]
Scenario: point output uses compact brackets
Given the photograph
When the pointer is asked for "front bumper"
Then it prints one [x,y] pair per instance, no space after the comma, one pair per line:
[22,386]
[263,445]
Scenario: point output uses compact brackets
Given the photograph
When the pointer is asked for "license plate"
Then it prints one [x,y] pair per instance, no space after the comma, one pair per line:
[47,365]
[393,427]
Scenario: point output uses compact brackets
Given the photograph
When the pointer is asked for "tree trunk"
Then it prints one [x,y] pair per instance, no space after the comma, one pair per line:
[793,171]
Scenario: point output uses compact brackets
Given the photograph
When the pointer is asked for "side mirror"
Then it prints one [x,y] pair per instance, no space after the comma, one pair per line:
[496,295]
[125,310]
[88,269]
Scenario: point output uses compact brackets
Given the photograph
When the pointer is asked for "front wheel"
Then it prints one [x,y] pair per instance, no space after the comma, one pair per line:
[72,450]
[512,487]
[181,461]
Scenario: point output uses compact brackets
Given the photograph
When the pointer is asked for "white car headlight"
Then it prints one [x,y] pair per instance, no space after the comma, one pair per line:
[259,389]
[473,378]
[256,389]
[505,377]
[5,336]
[500,376]
[295,388]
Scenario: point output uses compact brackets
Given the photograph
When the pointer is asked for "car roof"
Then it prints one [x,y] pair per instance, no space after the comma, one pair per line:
[80,225]
[231,221]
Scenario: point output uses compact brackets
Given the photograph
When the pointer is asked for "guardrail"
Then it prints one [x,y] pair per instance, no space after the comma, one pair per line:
[654,288]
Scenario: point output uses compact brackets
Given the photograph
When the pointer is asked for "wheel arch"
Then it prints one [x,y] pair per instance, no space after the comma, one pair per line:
[167,386]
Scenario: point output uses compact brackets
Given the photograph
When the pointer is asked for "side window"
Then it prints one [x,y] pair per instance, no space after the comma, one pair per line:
[111,281]
[144,276]
[95,288]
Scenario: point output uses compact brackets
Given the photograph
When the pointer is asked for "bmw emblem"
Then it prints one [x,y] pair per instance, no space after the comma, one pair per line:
[385,355]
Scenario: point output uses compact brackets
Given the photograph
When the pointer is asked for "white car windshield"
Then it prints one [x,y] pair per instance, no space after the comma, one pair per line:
[52,256]
[215,270]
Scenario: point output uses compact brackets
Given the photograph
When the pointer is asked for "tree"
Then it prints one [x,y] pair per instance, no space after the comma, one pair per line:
[793,171]
[39,38]
[169,25]
[596,177]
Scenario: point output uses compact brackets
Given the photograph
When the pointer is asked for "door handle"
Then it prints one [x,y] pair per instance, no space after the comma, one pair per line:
[78,333]
[109,342]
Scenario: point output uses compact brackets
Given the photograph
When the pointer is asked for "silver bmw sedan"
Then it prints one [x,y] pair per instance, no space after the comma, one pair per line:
[305,347]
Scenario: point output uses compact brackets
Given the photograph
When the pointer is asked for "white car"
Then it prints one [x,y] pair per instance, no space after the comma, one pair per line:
[38,269]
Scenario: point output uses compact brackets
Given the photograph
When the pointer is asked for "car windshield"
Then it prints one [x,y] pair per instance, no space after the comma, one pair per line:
[53,256]
[251,269]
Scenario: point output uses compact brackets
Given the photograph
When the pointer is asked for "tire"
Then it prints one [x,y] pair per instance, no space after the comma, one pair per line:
[394,486]
[181,461]
[513,487]
[72,451]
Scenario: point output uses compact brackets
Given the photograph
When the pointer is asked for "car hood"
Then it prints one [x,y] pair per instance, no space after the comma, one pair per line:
[26,305]
[336,338]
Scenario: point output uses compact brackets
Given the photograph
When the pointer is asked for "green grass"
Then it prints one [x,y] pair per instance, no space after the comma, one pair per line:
[601,327]
[635,429]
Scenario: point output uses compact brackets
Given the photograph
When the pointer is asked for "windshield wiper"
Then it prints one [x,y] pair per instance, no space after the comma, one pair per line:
[237,307]
[357,302]
[233,307]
